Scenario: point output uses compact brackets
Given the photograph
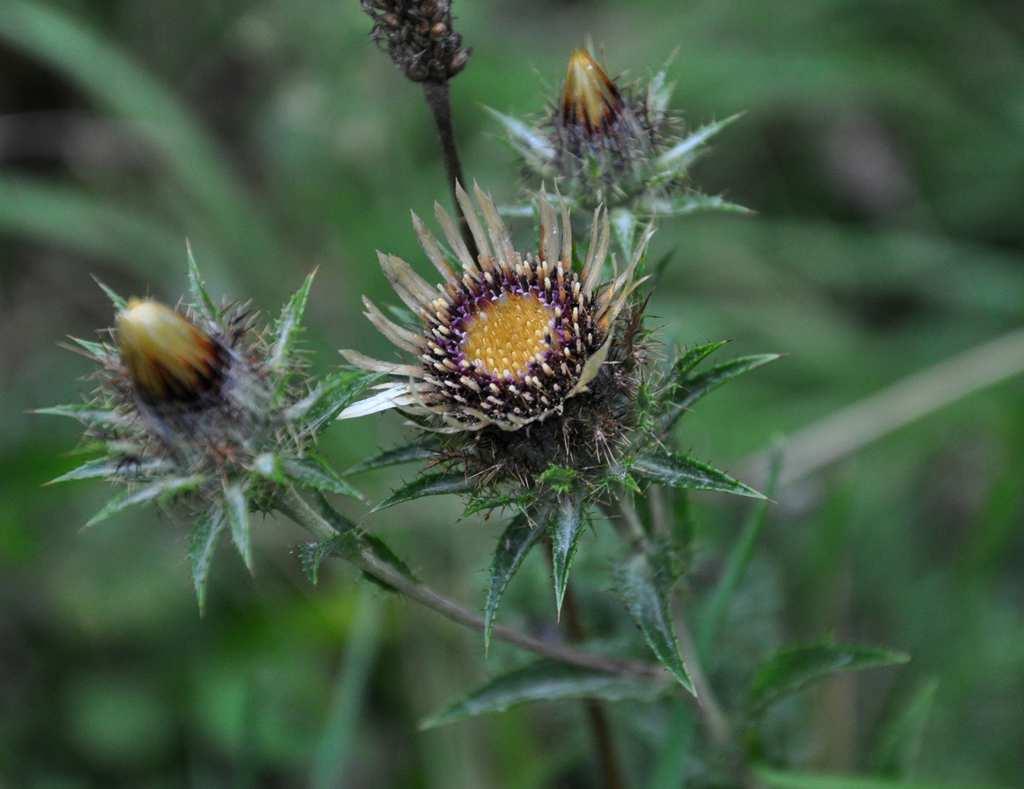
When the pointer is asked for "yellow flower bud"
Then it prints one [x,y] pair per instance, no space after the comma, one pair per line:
[590,98]
[168,358]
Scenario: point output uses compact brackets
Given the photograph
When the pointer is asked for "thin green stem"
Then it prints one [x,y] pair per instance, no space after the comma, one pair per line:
[299,510]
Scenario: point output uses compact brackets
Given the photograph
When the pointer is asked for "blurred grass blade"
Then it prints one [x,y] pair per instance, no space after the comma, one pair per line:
[513,545]
[81,221]
[781,779]
[544,680]
[123,86]
[900,738]
[794,668]
[341,728]
[735,566]
[671,760]
[646,594]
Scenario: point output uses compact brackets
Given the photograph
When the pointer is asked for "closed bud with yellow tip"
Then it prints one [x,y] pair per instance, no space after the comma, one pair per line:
[590,100]
[168,358]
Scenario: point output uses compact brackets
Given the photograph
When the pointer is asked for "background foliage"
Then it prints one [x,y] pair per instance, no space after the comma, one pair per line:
[881,148]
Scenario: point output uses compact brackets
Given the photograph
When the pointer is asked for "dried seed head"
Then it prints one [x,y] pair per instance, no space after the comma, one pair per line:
[168,358]
[590,99]
[419,37]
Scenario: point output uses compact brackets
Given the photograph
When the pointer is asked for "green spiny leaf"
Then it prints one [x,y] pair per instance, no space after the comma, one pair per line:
[679,156]
[87,414]
[519,501]
[566,528]
[559,478]
[106,467]
[288,325]
[425,449]
[623,223]
[197,288]
[794,668]
[646,594]
[531,144]
[201,546]
[312,555]
[435,484]
[97,350]
[313,472]
[692,357]
[696,387]
[237,511]
[513,546]
[544,680]
[319,408]
[693,203]
[162,490]
[684,472]
[118,302]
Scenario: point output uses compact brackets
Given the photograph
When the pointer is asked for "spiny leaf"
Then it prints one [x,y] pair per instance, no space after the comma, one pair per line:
[118,302]
[646,594]
[899,741]
[435,484]
[516,541]
[680,155]
[520,501]
[559,478]
[319,408]
[237,512]
[684,472]
[351,546]
[97,350]
[288,324]
[312,472]
[623,222]
[421,450]
[111,467]
[692,357]
[312,555]
[197,288]
[566,528]
[544,680]
[694,388]
[530,143]
[201,546]
[163,489]
[692,203]
[794,668]
[86,414]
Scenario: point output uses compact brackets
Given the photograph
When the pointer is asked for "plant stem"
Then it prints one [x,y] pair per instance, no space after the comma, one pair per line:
[439,99]
[299,510]
[852,428]
[604,743]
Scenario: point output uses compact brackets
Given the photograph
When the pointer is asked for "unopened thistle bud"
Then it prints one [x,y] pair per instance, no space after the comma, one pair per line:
[590,101]
[168,358]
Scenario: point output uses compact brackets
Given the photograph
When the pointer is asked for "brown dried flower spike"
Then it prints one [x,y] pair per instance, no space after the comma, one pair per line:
[508,339]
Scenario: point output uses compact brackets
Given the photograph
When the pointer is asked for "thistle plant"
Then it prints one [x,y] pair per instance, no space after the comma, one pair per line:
[533,387]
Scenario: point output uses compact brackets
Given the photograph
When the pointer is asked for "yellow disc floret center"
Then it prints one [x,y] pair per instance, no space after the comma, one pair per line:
[506,335]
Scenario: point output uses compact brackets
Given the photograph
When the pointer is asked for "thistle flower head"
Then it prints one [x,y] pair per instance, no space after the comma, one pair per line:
[197,407]
[507,338]
[615,143]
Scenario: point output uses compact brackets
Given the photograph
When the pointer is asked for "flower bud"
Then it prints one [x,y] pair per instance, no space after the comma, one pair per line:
[168,358]
[590,99]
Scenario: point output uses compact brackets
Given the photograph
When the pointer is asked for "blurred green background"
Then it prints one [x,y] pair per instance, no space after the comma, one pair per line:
[883,149]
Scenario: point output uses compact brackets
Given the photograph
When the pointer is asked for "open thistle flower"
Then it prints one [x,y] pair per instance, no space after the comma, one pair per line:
[195,408]
[615,144]
[509,338]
